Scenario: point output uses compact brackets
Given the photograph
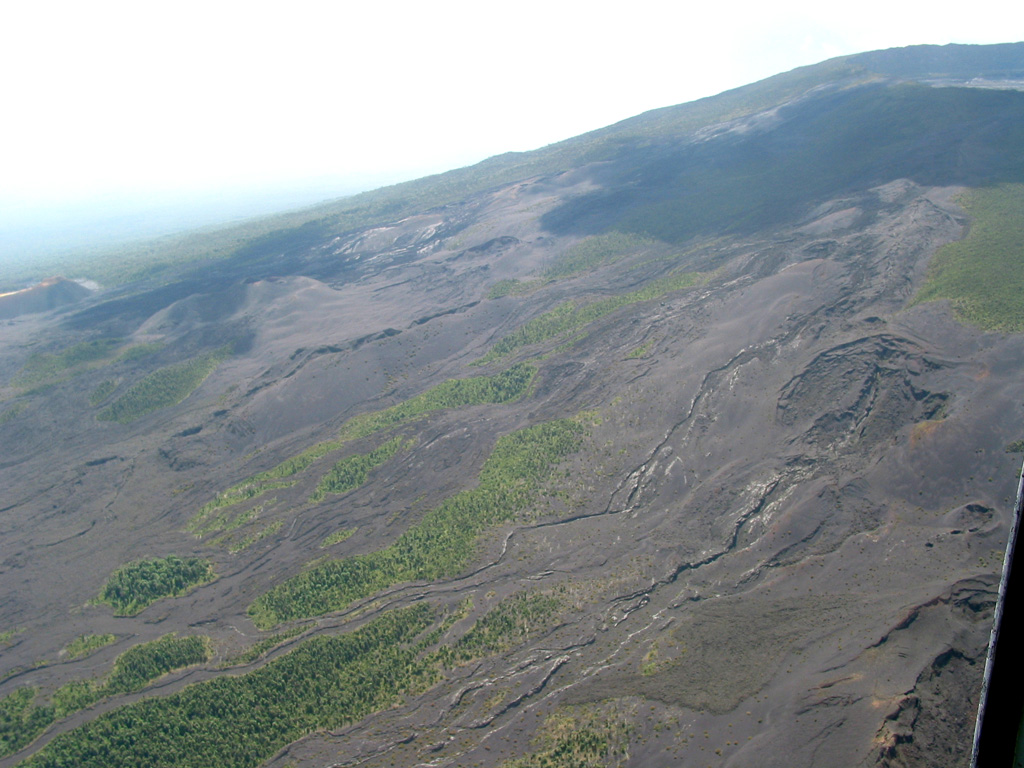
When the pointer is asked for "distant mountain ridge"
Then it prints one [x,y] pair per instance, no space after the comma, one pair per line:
[952,61]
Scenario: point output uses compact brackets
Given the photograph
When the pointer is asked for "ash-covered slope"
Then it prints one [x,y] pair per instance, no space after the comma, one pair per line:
[650,461]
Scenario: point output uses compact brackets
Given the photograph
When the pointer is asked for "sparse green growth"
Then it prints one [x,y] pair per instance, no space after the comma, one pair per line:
[351,472]
[513,287]
[83,645]
[225,523]
[650,663]
[442,543]
[983,274]
[259,535]
[590,253]
[570,316]
[596,251]
[504,387]
[44,369]
[243,518]
[134,586]
[641,351]
[9,634]
[13,412]
[258,649]
[505,626]
[138,351]
[104,390]
[580,737]
[201,523]
[241,721]
[337,537]
[162,388]
[1015,447]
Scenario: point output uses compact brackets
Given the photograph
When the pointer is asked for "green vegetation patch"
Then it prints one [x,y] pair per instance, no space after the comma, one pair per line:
[163,388]
[22,720]
[443,543]
[571,316]
[641,352]
[983,274]
[134,586]
[103,390]
[257,649]
[587,255]
[139,351]
[513,287]
[43,368]
[204,521]
[596,251]
[1017,446]
[580,737]
[144,663]
[337,537]
[504,387]
[351,472]
[510,623]
[133,670]
[8,634]
[13,412]
[255,536]
[241,721]
[83,645]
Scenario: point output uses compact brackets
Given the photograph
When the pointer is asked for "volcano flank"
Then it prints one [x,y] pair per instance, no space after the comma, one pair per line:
[688,441]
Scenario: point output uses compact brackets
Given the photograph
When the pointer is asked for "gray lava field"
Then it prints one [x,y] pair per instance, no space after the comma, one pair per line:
[776,542]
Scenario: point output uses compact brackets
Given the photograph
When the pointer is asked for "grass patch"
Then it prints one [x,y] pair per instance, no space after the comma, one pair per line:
[580,737]
[513,287]
[133,587]
[1017,446]
[983,275]
[12,413]
[163,388]
[252,538]
[201,523]
[257,649]
[508,624]
[439,546]
[351,472]
[504,387]
[45,368]
[571,315]
[83,645]
[641,352]
[9,634]
[587,255]
[139,351]
[596,251]
[104,390]
[337,537]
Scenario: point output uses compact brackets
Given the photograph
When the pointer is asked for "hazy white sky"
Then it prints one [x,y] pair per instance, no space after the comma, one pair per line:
[133,97]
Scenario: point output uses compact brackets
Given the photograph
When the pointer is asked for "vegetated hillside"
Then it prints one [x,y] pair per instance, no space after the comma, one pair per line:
[691,447]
